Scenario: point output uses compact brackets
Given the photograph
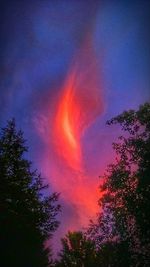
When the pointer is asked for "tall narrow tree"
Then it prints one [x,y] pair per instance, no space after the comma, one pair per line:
[27,211]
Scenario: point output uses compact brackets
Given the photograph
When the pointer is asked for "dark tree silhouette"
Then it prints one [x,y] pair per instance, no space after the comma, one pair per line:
[125,215]
[27,211]
[77,250]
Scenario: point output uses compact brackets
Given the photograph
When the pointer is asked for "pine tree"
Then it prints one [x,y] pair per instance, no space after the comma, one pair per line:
[27,211]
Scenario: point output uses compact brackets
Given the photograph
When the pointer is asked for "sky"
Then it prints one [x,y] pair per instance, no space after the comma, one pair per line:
[66,67]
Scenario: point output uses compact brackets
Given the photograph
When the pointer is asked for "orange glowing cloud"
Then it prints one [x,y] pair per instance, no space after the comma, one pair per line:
[65,130]
[79,104]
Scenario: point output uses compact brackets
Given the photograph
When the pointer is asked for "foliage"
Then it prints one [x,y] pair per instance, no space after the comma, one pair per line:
[126,199]
[28,212]
[77,250]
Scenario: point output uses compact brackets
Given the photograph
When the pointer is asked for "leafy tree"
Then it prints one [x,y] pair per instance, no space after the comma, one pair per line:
[77,250]
[113,254]
[27,212]
[126,198]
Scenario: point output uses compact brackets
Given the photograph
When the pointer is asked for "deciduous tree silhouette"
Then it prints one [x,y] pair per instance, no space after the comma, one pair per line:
[126,201]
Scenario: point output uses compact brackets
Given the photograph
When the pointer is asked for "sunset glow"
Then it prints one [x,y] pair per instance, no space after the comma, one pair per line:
[68,138]
[66,68]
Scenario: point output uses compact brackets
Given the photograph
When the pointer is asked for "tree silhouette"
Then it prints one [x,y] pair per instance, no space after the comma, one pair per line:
[126,199]
[28,211]
[77,250]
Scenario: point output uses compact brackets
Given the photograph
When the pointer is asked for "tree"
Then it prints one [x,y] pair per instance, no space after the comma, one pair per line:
[27,211]
[77,250]
[126,189]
